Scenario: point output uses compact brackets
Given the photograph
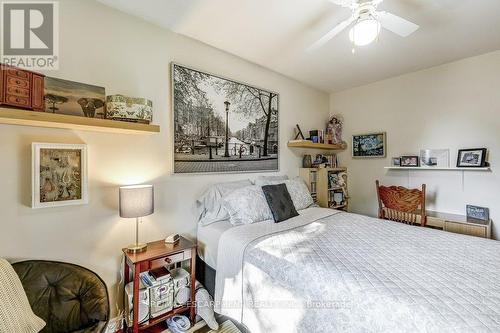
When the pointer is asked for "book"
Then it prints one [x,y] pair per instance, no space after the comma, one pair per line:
[160,273]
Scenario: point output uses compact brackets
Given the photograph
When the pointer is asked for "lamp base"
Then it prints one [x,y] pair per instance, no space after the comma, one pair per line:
[136,248]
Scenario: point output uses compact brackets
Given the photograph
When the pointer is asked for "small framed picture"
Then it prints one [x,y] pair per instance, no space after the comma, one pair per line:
[370,145]
[59,175]
[478,213]
[409,161]
[471,158]
[396,161]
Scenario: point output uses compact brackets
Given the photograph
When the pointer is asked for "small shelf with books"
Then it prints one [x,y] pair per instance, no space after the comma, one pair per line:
[312,145]
[328,186]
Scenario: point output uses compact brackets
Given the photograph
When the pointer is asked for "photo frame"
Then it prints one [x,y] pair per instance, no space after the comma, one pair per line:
[410,161]
[242,121]
[59,175]
[371,145]
[477,213]
[396,161]
[471,158]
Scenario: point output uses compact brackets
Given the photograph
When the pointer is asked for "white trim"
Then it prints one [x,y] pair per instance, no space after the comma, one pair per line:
[437,168]
[35,174]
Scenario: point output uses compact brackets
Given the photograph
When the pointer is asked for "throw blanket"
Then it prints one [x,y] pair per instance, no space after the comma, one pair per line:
[326,271]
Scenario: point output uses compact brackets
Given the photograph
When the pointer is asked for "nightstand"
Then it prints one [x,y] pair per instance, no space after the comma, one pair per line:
[159,254]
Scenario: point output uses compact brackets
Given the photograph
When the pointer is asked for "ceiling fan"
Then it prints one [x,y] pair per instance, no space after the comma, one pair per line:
[366,22]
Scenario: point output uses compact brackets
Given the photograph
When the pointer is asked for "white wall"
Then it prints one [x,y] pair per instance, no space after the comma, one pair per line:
[453,106]
[101,46]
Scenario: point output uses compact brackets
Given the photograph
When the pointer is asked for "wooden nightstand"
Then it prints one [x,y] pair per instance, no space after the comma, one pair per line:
[156,255]
[459,224]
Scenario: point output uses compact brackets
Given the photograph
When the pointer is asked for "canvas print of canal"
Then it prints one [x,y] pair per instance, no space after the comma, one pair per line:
[221,125]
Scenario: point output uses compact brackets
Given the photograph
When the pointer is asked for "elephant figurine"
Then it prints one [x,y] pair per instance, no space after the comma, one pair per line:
[89,105]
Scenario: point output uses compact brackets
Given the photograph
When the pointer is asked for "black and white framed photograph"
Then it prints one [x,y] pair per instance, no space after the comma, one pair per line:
[471,158]
[438,158]
[409,161]
[59,175]
[222,125]
[477,213]
[370,145]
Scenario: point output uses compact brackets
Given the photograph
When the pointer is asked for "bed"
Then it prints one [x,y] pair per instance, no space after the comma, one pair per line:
[331,271]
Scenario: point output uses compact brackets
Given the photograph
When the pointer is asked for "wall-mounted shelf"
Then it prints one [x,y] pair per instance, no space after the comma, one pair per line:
[44,119]
[312,145]
[437,169]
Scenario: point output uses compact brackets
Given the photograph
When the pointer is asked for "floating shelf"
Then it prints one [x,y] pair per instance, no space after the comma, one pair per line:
[437,169]
[44,119]
[312,145]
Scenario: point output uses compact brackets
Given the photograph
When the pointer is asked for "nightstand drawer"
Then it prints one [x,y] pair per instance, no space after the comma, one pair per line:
[467,229]
[171,259]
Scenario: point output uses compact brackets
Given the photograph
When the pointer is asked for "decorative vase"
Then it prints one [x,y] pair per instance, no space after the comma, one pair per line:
[307,161]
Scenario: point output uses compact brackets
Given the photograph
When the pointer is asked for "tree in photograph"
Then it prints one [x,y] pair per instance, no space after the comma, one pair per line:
[250,101]
[53,100]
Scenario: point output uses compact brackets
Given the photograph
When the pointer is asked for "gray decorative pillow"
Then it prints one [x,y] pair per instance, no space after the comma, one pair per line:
[247,205]
[299,192]
[279,202]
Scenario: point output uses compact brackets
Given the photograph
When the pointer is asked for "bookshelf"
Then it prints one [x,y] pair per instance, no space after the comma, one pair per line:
[322,185]
[312,145]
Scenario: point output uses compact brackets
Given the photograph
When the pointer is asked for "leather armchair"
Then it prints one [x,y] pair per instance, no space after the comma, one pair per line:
[69,298]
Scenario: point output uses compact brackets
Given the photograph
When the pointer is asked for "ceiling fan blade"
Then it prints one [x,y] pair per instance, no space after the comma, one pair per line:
[332,33]
[396,24]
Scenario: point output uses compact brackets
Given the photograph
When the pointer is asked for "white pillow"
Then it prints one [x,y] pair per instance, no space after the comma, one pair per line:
[299,192]
[247,205]
[210,202]
[264,180]
[16,314]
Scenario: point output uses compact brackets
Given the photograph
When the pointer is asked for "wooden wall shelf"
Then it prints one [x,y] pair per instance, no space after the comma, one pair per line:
[44,119]
[312,145]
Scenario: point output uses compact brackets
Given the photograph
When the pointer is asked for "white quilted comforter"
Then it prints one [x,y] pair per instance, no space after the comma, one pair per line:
[326,271]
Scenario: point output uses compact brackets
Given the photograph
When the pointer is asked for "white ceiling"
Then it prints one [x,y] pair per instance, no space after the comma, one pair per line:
[276,33]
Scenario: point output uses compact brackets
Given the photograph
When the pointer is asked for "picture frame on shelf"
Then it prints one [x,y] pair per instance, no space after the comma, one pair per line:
[410,161]
[59,175]
[437,158]
[477,213]
[396,161]
[371,145]
[471,158]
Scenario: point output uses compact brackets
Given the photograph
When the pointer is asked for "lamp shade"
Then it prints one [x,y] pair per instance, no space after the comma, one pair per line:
[136,201]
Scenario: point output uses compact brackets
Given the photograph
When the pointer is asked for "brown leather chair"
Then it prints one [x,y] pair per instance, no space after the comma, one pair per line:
[400,204]
[69,298]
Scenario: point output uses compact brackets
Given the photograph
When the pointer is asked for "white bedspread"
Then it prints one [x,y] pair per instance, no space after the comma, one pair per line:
[326,271]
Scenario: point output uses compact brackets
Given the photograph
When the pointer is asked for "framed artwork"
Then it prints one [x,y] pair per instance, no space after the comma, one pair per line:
[396,161]
[222,125]
[74,98]
[369,145]
[59,175]
[471,158]
[435,158]
[477,213]
[409,161]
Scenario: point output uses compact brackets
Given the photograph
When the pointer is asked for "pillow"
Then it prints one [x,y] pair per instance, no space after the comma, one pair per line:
[16,314]
[247,205]
[298,192]
[279,202]
[265,180]
[210,203]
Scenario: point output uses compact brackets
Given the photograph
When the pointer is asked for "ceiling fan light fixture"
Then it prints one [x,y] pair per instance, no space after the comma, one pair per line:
[365,31]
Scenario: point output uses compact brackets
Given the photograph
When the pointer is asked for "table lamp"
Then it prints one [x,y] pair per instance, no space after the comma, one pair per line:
[135,202]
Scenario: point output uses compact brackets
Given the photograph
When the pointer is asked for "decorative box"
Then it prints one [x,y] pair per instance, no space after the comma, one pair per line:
[21,88]
[125,108]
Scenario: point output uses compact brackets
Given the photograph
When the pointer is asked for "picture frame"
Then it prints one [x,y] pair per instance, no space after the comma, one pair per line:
[396,161]
[59,175]
[410,161]
[371,145]
[477,213]
[250,113]
[471,158]
[74,98]
[435,158]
